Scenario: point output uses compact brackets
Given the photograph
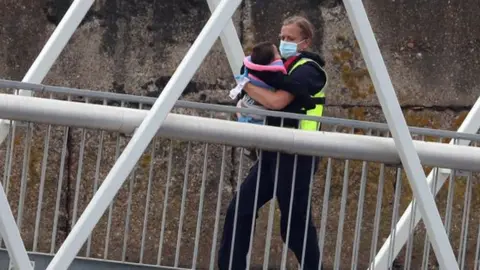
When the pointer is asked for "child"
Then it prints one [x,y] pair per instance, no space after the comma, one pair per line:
[265,57]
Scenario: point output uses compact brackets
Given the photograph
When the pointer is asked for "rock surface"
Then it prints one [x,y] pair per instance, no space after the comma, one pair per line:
[135,46]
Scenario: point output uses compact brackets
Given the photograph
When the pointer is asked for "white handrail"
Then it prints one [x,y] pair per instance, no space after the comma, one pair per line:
[184,127]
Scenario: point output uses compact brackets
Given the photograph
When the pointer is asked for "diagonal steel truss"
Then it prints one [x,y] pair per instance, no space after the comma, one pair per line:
[11,235]
[37,72]
[220,24]
[402,230]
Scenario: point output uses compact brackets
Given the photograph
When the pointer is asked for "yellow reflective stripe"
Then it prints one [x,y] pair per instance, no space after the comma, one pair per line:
[311,125]
[299,63]
[318,110]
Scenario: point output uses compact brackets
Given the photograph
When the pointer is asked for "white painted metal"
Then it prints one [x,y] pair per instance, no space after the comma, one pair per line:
[231,42]
[401,135]
[36,74]
[216,131]
[11,235]
[144,134]
[471,124]
[52,49]
[4,129]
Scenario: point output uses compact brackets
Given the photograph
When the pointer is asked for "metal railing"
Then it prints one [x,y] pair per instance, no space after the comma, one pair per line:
[220,111]
[170,212]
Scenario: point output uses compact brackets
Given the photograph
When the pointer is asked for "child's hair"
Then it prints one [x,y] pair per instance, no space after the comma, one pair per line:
[263,53]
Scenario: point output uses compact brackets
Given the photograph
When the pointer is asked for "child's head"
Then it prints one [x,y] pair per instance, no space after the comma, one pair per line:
[264,53]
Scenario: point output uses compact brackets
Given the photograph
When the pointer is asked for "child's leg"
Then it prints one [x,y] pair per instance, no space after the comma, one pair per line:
[239,105]
[244,119]
[256,121]
[250,153]
[248,119]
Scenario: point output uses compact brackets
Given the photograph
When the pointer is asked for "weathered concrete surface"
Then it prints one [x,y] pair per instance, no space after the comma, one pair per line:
[437,45]
[127,47]
[135,46]
[430,52]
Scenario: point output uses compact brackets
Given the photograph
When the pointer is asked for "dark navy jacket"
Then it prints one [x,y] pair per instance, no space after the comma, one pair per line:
[304,82]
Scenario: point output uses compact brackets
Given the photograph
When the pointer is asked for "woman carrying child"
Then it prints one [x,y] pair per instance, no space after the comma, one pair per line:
[294,92]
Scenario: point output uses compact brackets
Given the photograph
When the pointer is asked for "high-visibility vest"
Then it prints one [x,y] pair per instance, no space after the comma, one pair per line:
[319,97]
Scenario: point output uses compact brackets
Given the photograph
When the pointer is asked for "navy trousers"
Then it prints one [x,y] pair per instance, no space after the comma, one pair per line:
[265,193]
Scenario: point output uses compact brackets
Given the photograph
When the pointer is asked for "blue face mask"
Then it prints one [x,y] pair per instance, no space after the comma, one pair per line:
[287,49]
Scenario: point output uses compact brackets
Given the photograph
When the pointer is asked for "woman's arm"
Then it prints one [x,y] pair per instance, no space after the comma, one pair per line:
[305,82]
[271,100]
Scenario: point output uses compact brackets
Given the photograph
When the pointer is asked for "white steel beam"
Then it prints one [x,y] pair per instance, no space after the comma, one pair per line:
[144,134]
[400,133]
[11,235]
[37,72]
[471,124]
[217,131]
[52,49]
[231,42]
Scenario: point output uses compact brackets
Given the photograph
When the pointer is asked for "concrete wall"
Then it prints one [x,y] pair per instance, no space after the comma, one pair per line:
[431,51]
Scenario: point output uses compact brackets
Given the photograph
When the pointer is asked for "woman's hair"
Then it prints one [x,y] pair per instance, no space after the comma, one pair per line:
[303,23]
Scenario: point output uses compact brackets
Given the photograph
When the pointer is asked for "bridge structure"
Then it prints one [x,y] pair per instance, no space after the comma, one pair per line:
[143,126]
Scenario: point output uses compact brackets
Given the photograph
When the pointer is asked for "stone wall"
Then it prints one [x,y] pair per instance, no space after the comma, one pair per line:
[135,46]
